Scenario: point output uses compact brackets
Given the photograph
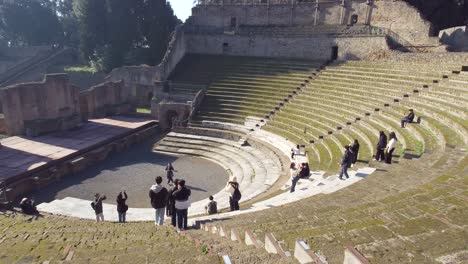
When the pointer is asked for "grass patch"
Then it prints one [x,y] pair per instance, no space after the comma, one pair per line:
[80,69]
[143,110]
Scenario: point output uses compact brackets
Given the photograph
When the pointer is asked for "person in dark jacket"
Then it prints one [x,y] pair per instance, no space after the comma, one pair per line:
[97,206]
[305,170]
[158,195]
[28,207]
[122,207]
[231,186]
[408,119]
[182,203]
[380,154]
[212,206]
[355,150]
[170,173]
[170,206]
[345,163]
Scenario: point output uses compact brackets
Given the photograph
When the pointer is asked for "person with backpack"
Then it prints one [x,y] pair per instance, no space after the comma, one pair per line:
[182,203]
[122,207]
[212,206]
[158,196]
[232,187]
[97,206]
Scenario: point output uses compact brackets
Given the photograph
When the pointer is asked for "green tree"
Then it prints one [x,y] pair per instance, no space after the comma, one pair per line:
[159,22]
[29,22]
[92,26]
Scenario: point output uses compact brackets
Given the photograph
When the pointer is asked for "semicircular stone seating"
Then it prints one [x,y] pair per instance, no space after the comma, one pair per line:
[361,98]
[416,199]
[256,169]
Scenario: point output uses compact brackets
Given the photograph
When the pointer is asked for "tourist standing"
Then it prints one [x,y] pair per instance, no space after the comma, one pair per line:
[170,206]
[392,143]
[170,173]
[381,145]
[232,187]
[182,203]
[158,196]
[122,207]
[408,118]
[345,163]
[295,151]
[212,206]
[355,151]
[295,176]
[97,206]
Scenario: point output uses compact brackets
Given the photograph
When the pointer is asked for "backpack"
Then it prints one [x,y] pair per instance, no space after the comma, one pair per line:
[212,208]
[93,205]
[236,196]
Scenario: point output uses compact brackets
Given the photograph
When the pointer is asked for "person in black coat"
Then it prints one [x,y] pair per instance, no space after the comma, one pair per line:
[122,207]
[182,203]
[97,206]
[345,163]
[355,150]
[408,119]
[170,206]
[380,154]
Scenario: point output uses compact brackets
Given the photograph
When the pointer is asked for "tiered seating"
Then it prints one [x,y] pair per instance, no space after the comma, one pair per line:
[256,168]
[378,94]
[413,211]
[242,86]
[418,225]
[54,239]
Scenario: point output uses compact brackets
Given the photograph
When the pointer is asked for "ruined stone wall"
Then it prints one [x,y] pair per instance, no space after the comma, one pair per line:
[329,12]
[41,107]
[404,21]
[455,38]
[318,48]
[175,52]
[109,98]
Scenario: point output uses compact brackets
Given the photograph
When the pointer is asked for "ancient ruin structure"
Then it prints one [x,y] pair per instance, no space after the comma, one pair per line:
[37,108]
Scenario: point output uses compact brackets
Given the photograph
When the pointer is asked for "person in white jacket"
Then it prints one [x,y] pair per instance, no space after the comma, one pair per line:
[391,145]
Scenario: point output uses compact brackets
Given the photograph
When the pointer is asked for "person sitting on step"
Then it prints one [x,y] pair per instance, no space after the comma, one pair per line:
[305,170]
[212,206]
[408,119]
[28,207]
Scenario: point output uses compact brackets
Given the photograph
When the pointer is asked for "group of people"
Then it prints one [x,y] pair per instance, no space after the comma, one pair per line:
[173,203]
[385,147]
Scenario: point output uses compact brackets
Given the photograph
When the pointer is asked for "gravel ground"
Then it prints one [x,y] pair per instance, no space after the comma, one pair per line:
[135,171]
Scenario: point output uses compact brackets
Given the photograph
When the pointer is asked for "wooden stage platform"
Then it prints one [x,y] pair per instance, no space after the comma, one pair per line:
[21,156]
